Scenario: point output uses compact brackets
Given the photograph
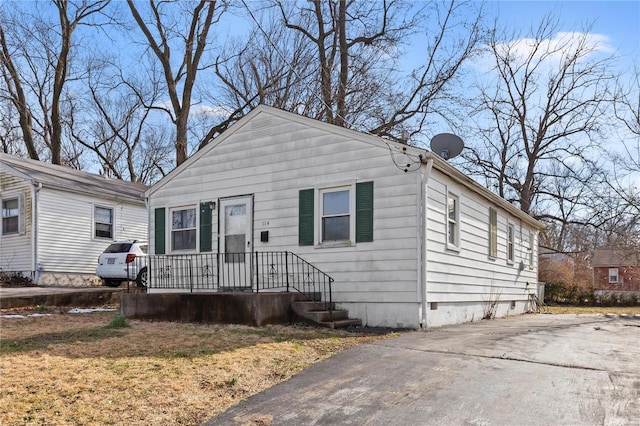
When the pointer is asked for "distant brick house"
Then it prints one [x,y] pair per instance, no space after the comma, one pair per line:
[616,269]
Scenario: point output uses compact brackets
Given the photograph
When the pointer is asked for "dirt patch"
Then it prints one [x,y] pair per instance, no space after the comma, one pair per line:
[73,369]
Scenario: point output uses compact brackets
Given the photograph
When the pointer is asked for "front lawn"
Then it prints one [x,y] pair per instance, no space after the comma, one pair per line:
[93,368]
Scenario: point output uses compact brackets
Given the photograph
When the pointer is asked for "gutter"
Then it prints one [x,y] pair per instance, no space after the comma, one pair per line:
[423,191]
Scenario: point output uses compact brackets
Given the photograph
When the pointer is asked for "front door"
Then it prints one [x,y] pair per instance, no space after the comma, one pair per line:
[236,219]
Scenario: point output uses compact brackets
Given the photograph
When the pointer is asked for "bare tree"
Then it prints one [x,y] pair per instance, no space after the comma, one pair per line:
[117,128]
[161,30]
[16,94]
[342,65]
[624,178]
[274,68]
[36,63]
[541,114]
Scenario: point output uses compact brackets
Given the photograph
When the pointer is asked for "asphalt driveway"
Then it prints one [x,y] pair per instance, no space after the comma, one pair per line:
[524,370]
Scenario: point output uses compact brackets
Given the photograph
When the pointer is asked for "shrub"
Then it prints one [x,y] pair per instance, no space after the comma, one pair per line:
[15,279]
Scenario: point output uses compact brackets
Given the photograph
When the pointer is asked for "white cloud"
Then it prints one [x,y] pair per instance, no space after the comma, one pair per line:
[550,51]
[210,111]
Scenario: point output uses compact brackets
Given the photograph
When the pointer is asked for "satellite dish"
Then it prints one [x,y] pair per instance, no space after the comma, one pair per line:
[446,145]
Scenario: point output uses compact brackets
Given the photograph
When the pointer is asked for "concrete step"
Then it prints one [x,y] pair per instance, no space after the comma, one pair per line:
[300,307]
[318,313]
[323,316]
[342,323]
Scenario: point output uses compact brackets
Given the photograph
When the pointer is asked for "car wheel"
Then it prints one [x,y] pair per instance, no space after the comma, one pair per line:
[141,279]
[112,283]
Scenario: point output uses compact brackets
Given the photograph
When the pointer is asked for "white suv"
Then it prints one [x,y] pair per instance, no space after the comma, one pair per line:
[123,261]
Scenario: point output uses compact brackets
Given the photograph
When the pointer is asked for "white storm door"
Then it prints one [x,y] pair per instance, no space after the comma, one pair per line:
[236,220]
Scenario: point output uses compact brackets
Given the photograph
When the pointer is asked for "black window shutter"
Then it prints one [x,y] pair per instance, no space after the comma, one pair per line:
[159,227]
[205,227]
[364,212]
[305,217]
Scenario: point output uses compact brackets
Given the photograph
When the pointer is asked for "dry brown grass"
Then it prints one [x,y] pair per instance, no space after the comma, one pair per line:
[616,310]
[72,369]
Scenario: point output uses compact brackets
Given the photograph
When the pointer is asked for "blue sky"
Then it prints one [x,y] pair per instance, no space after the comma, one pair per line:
[618,20]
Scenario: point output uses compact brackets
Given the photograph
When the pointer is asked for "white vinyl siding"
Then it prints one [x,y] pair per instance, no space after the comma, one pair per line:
[80,249]
[384,270]
[468,280]
[16,254]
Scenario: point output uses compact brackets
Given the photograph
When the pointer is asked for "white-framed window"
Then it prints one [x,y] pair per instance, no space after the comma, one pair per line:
[511,243]
[336,214]
[453,221]
[183,228]
[103,222]
[493,233]
[11,216]
[532,241]
[613,275]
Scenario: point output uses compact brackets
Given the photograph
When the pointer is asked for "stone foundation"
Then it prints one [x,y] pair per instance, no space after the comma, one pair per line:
[69,280]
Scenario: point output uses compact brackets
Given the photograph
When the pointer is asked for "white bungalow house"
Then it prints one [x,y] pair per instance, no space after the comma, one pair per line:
[408,240]
[56,221]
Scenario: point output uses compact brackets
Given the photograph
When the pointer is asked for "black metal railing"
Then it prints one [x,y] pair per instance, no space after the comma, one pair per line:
[251,271]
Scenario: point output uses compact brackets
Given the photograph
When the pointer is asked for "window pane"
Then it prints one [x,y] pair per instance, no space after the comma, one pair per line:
[182,219]
[234,248]
[452,233]
[237,210]
[10,225]
[103,230]
[103,215]
[335,228]
[103,222]
[452,208]
[10,208]
[183,240]
[510,242]
[334,203]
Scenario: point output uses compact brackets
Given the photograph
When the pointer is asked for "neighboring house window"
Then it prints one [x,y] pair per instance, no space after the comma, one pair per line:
[336,218]
[344,214]
[183,229]
[11,216]
[493,232]
[103,222]
[453,221]
[613,275]
[511,237]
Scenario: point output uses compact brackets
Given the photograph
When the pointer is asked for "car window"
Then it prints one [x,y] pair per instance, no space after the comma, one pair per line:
[144,248]
[118,248]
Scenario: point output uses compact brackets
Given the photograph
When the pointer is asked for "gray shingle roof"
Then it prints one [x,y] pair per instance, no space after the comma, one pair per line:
[613,256]
[64,178]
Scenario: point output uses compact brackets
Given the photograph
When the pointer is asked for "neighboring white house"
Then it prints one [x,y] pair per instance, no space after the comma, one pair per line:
[56,221]
[409,240]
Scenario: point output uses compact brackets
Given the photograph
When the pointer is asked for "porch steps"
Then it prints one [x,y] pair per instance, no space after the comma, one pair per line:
[316,312]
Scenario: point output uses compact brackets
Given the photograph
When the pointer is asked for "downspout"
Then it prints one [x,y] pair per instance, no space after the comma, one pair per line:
[423,191]
[35,196]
